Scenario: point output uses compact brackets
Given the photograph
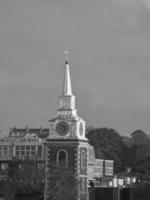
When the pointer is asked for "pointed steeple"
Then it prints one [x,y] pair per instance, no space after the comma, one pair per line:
[67,90]
[67,99]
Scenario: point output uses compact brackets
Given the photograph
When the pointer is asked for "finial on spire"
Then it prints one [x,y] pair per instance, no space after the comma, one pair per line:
[66,54]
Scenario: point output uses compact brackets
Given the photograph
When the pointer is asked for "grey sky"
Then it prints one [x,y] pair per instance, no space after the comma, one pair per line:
[109,45]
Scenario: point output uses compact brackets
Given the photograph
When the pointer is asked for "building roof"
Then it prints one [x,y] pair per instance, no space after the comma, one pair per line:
[22,132]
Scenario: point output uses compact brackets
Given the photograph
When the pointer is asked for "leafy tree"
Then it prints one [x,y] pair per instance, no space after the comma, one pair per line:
[139,137]
[142,142]
[7,189]
[108,144]
[138,154]
[23,177]
[31,178]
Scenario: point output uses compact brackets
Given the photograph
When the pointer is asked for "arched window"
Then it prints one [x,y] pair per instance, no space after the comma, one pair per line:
[83,159]
[62,158]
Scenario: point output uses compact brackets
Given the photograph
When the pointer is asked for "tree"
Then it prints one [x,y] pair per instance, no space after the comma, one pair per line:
[138,154]
[108,144]
[139,137]
[24,176]
[31,178]
[7,189]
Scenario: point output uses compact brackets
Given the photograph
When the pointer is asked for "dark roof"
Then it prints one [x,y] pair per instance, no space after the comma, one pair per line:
[41,132]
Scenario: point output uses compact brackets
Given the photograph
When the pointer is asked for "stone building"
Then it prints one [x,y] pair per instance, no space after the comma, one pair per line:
[20,148]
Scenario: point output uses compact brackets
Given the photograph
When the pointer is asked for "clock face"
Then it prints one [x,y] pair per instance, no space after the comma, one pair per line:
[81,129]
[62,128]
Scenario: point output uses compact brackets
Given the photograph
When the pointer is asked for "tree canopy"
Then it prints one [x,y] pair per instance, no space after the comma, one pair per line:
[108,144]
[132,151]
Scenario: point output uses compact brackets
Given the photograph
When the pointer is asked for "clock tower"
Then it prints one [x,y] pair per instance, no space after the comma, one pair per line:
[66,152]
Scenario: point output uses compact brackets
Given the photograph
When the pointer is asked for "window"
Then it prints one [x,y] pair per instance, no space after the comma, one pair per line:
[69,104]
[17,148]
[22,148]
[28,153]
[83,159]
[65,104]
[33,153]
[39,151]
[62,159]
[28,150]
[61,103]
[109,167]
[4,150]
[17,153]
[33,148]
[22,153]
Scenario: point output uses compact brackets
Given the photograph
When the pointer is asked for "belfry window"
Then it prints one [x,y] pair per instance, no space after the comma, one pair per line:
[66,104]
[62,159]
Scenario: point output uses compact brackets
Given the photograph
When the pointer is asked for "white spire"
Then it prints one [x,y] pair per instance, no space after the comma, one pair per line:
[67,90]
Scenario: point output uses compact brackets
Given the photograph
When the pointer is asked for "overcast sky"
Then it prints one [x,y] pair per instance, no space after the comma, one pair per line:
[109,53]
